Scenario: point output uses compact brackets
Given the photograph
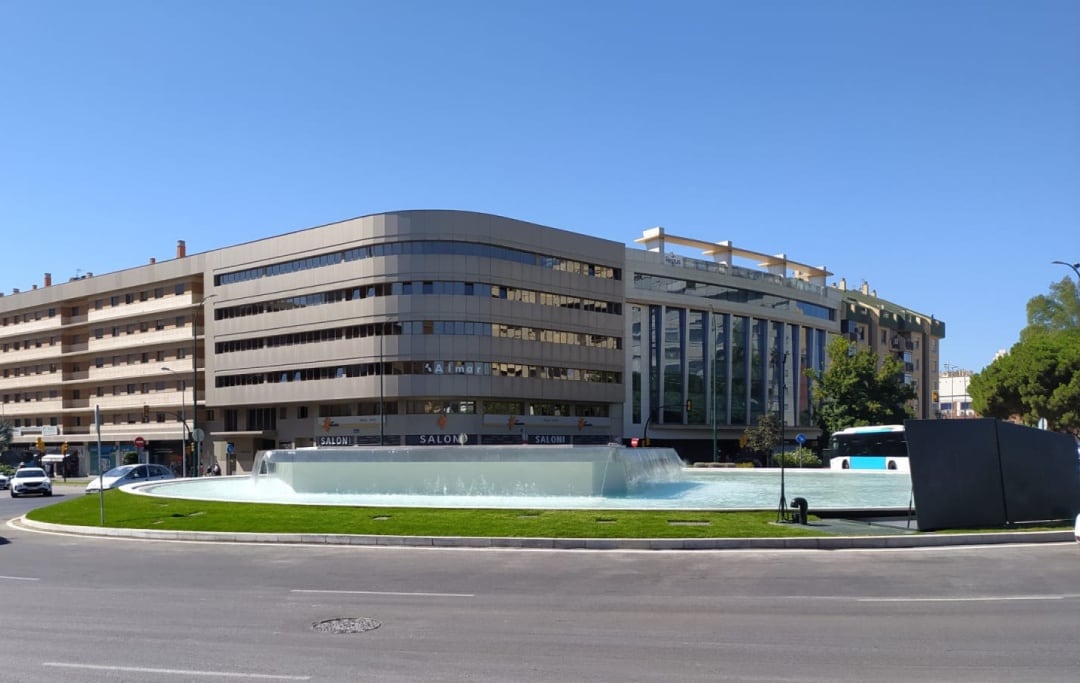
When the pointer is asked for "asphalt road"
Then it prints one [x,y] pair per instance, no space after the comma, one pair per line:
[94,609]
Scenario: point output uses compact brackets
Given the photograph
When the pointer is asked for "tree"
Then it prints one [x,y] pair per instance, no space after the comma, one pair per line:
[763,437]
[1038,378]
[1056,312]
[1040,375]
[5,436]
[857,390]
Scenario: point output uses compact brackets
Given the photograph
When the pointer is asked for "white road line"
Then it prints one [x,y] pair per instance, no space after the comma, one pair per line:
[420,595]
[987,598]
[19,578]
[175,672]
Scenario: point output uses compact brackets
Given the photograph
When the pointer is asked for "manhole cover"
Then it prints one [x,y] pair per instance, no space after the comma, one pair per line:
[346,625]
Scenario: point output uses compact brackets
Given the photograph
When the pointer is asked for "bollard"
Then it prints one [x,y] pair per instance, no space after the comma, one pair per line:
[802,505]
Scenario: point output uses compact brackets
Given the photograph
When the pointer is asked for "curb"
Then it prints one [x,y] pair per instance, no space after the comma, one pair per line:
[521,543]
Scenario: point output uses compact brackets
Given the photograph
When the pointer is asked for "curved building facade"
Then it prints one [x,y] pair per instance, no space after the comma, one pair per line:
[418,327]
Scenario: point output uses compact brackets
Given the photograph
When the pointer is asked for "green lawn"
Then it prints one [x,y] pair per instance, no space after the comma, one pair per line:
[124,510]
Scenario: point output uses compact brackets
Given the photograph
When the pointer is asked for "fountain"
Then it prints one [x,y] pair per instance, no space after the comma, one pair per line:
[472,470]
[542,477]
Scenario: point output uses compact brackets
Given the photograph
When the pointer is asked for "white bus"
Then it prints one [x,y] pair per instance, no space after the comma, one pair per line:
[881,447]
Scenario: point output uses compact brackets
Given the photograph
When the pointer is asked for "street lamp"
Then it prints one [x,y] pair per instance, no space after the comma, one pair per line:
[183,421]
[195,434]
[1074,266]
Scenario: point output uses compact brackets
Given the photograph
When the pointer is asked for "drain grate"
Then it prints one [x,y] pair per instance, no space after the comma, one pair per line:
[346,625]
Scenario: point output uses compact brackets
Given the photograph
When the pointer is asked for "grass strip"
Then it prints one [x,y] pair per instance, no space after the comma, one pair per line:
[125,510]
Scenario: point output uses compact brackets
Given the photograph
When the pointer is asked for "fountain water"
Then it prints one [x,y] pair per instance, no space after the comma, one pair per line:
[471,470]
[542,477]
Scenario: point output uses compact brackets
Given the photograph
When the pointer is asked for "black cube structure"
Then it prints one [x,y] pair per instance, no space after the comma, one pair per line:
[988,473]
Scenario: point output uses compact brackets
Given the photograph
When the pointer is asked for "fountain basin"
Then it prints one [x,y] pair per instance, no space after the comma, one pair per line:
[605,471]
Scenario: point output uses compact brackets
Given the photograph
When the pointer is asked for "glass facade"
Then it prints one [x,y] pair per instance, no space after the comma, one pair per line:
[733,367]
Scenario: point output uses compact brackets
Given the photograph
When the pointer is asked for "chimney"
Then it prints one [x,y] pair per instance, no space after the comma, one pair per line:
[865,288]
[181,249]
[48,279]
[843,284]
[153,260]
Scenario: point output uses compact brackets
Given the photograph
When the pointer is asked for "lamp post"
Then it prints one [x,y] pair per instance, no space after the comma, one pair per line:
[1074,266]
[183,422]
[195,434]
[782,362]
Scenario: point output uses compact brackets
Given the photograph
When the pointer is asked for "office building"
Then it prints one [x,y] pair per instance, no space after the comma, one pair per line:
[415,328]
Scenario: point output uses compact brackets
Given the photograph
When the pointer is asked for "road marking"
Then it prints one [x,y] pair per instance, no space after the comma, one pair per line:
[175,672]
[419,595]
[987,598]
[19,578]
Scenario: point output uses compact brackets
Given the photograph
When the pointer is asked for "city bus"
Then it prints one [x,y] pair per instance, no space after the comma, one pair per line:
[881,447]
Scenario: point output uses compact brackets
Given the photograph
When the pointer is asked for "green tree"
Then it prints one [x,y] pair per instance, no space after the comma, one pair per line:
[1055,312]
[856,390]
[763,437]
[5,435]
[1038,377]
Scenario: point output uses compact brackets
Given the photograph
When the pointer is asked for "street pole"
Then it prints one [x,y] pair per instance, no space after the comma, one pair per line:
[1074,266]
[382,373]
[782,361]
[183,422]
[197,446]
[183,431]
[712,326]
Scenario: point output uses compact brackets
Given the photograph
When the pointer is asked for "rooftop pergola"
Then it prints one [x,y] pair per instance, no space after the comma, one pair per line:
[656,239]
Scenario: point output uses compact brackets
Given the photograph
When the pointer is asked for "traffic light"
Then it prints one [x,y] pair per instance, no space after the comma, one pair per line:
[63,448]
[41,444]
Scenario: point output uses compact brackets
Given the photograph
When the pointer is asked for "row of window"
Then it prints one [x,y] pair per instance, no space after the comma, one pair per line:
[31,396]
[421,368]
[99,333]
[716,292]
[143,326]
[419,328]
[29,316]
[417,248]
[114,300]
[408,288]
[178,289]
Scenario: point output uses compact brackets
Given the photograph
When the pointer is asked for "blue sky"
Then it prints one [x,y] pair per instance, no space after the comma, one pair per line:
[931,149]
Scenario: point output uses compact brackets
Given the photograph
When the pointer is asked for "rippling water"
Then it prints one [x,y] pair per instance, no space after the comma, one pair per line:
[699,489]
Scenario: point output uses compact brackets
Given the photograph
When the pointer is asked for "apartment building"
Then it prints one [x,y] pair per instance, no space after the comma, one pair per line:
[889,329]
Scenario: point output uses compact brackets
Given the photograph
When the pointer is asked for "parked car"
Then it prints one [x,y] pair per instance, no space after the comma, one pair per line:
[30,480]
[3,481]
[129,474]
[1077,530]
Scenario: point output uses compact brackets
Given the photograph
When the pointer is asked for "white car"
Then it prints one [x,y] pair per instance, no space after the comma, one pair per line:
[1077,530]
[30,480]
[4,481]
[129,474]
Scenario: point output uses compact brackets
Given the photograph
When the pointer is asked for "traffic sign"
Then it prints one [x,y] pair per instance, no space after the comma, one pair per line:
[140,442]
[800,438]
